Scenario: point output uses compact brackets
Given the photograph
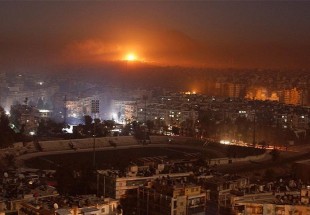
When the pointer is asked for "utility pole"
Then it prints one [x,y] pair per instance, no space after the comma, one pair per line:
[94,145]
[254,128]
[95,111]
[65,110]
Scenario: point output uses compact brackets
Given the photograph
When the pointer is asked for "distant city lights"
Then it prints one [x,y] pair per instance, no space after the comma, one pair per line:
[44,111]
[226,142]
[190,92]
[68,129]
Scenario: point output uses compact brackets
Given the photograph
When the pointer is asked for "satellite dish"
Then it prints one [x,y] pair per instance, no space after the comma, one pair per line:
[55,206]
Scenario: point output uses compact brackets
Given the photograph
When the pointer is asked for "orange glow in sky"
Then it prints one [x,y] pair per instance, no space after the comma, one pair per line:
[201,34]
[131,57]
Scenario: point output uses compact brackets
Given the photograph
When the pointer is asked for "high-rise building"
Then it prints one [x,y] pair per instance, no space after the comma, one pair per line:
[233,90]
[124,110]
[293,96]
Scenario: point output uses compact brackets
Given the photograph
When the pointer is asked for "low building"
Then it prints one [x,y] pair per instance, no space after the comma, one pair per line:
[221,187]
[166,197]
[118,186]
[305,195]
[87,205]
[270,204]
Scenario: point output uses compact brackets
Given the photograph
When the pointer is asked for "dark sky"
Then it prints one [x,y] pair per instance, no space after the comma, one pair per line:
[194,33]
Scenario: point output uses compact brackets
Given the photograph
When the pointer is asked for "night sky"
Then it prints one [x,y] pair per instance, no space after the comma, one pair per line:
[243,34]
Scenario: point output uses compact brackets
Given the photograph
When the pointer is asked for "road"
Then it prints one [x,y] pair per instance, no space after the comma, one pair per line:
[243,167]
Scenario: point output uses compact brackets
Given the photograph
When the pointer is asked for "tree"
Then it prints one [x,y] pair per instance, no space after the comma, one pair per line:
[88,120]
[150,125]
[88,124]
[126,130]
[97,121]
[49,128]
[7,135]
[207,123]
[4,120]
[15,115]
[109,123]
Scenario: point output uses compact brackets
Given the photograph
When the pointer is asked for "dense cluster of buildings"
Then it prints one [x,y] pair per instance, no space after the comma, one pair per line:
[284,87]
[170,193]
[59,205]
[290,95]
[168,197]
[168,113]
[266,203]
[27,192]
[67,96]
[191,191]
[159,185]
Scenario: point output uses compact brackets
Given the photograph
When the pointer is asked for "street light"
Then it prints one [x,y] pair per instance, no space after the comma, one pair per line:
[94,110]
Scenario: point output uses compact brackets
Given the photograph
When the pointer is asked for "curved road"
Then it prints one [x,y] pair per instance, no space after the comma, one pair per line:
[265,164]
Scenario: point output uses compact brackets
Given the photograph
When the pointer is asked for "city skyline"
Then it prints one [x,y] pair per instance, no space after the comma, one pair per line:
[250,34]
[155,107]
